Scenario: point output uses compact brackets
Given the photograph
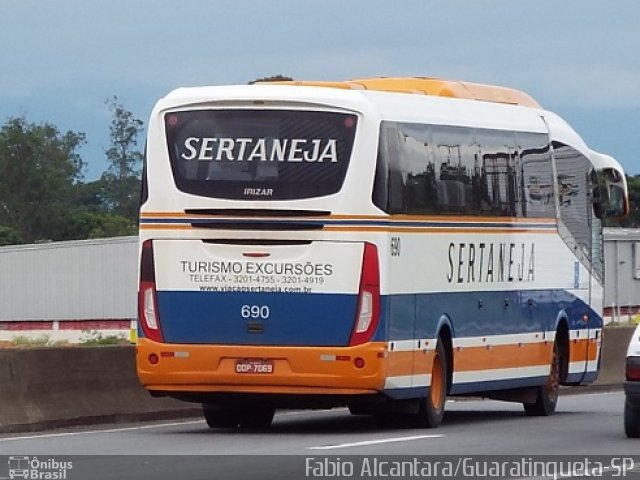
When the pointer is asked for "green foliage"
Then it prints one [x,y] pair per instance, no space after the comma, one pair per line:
[274,78]
[23,341]
[42,195]
[8,236]
[40,167]
[121,181]
[93,338]
[90,338]
[88,224]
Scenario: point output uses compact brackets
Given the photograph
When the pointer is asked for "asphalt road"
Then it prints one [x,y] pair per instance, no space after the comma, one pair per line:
[584,425]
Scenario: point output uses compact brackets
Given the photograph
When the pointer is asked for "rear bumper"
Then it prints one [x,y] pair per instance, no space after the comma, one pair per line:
[211,369]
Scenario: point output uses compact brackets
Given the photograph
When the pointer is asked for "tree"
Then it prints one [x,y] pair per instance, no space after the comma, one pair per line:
[273,78]
[633,219]
[85,224]
[8,236]
[40,167]
[122,178]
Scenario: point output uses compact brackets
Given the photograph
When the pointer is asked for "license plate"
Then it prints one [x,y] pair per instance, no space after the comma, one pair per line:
[254,365]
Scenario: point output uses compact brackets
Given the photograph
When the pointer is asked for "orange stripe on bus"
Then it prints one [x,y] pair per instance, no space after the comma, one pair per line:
[502,356]
[399,363]
[583,349]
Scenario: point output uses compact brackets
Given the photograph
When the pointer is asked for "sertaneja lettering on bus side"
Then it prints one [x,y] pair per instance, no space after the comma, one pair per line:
[491,262]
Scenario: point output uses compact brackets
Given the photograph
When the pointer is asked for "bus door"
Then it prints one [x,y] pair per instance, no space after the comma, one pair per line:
[596,278]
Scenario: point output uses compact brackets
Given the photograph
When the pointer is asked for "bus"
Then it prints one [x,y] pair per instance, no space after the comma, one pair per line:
[379,244]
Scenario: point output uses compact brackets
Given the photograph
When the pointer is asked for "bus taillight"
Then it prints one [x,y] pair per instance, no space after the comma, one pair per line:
[147,306]
[368,312]
[633,369]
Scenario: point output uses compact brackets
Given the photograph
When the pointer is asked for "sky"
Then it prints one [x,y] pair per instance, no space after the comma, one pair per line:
[61,60]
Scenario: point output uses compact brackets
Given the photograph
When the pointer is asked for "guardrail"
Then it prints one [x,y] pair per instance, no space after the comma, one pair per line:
[42,388]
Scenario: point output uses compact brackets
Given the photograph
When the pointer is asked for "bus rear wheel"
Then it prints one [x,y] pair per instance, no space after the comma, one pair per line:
[431,410]
[547,394]
[229,417]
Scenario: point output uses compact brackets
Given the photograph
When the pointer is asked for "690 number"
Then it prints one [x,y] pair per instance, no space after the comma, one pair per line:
[255,311]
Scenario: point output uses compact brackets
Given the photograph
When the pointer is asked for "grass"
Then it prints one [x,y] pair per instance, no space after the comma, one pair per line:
[89,338]
[93,338]
[22,341]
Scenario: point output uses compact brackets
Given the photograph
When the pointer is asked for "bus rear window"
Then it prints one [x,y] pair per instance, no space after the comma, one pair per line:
[259,154]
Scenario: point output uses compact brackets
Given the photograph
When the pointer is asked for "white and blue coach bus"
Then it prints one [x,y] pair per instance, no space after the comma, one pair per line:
[378,243]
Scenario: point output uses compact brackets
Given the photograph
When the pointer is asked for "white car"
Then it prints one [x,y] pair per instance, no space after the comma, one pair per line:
[632,388]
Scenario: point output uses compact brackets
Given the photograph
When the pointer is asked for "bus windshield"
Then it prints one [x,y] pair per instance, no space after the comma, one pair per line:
[259,154]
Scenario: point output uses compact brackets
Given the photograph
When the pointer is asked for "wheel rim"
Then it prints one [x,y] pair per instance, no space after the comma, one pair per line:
[437,383]
[553,382]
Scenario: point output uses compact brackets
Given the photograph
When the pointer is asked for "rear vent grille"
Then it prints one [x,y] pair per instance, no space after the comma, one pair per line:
[256,242]
[266,225]
[247,212]
[257,219]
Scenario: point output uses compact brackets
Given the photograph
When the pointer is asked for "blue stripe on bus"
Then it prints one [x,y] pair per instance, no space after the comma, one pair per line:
[316,319]
[474,314]
[292,319]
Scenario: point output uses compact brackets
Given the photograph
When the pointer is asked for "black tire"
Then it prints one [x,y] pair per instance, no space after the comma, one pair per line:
[547,394]
[248,418]
[257,418]
[431,410]
[361,409]
[220,417]
[631,419]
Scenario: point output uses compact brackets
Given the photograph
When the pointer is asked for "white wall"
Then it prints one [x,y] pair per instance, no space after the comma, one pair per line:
[78,280]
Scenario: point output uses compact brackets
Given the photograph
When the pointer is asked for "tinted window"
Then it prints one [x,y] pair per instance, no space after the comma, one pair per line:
[497,176]
[575,188]
[433,169]
[265,154]
[536,175]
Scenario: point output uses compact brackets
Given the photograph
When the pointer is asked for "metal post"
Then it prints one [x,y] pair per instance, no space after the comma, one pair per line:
[617,305]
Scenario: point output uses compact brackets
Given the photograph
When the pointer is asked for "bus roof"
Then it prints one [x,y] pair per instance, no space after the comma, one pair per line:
[428,86]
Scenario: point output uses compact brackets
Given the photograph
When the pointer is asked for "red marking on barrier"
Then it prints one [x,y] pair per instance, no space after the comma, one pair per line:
[94,324]
[22,326]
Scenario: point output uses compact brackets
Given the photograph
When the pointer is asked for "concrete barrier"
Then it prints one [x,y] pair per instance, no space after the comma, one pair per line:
[615,341]
[43,388]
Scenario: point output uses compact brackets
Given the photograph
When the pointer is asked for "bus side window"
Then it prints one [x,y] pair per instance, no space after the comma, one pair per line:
[397,192]
[144,187]
[574,198]
[380,194]
[536,185]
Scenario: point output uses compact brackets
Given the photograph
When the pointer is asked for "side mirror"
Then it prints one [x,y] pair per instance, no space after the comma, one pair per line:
[610,198]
